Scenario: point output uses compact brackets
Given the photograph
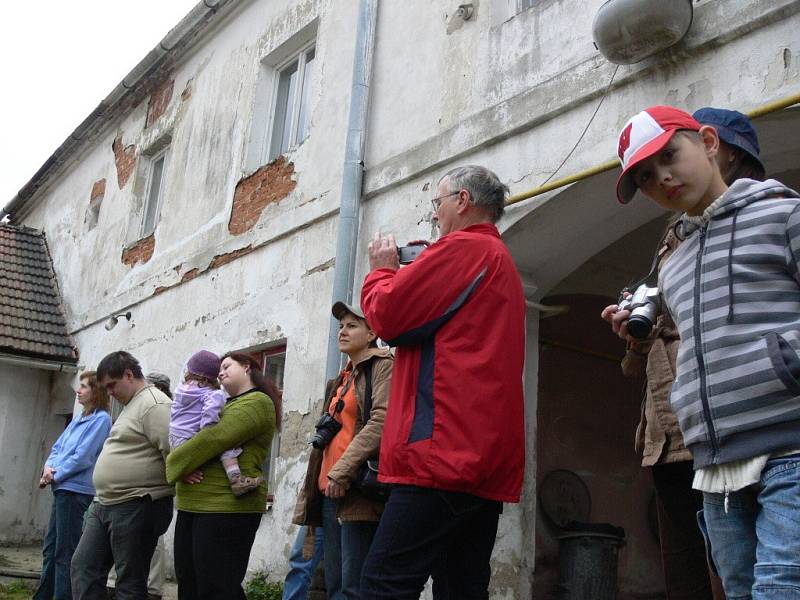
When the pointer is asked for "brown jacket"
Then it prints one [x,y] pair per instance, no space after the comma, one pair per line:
[658,436]
[366,444]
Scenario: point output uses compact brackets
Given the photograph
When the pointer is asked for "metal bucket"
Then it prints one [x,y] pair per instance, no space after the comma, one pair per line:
[587,562]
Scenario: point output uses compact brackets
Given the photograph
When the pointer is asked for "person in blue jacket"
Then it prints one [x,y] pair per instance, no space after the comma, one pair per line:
[68,471]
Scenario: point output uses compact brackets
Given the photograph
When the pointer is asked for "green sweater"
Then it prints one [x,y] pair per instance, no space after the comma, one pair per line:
[248,422]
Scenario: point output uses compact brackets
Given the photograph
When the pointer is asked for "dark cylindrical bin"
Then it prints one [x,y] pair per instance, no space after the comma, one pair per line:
[587,561]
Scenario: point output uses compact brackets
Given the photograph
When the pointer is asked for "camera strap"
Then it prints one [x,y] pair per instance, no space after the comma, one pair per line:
[340,401]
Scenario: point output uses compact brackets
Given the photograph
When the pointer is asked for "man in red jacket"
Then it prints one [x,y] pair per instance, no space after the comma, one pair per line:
[454,439]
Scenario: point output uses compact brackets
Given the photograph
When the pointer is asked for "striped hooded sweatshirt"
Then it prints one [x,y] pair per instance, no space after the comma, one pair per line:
[733,289]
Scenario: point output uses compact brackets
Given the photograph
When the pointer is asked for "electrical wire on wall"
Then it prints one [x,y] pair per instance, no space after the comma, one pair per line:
[585,129]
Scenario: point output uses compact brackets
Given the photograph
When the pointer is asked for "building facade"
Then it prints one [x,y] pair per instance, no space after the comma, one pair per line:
[204,196]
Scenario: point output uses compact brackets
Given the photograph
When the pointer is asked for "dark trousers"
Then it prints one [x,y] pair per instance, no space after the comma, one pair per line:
[426,532]
[211,554]
[63,534]
[683,553]
[125,536]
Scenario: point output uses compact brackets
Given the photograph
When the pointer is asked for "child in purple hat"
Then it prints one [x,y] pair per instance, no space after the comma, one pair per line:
[197,404]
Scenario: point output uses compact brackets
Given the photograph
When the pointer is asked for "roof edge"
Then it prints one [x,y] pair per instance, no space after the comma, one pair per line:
[172,47]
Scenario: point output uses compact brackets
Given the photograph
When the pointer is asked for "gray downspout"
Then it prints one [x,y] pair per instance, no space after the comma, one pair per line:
[353,174]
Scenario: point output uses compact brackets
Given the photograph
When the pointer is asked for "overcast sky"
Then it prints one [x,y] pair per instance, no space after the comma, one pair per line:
[58,60]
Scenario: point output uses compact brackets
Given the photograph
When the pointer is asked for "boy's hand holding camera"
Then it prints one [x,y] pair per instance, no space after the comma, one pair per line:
[619,320]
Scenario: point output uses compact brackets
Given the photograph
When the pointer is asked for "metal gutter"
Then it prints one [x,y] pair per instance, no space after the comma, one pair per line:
[759,111]
[353,173]
[38,363]
[127,93]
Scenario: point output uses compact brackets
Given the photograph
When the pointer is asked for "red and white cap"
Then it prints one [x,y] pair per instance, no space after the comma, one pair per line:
[644,135]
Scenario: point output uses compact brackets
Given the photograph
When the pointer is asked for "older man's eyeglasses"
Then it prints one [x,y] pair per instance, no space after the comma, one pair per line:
[437,202]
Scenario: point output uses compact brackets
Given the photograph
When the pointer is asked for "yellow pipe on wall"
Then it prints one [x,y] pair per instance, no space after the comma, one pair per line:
[608,165]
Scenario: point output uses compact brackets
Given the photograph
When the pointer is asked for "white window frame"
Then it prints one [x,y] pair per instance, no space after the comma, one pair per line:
[300,58]
[152,160]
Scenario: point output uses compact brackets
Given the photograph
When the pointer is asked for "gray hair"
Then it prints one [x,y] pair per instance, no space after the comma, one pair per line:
[486,189]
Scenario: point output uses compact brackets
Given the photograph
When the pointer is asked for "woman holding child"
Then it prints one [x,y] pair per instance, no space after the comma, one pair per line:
[329,497]
[220,446]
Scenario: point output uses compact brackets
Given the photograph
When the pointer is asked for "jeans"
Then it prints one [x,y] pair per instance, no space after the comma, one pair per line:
[346,546]
[123,535]
[298,579]
[426,532]
[63,534]
[756,544]
[211,554]
[683,551]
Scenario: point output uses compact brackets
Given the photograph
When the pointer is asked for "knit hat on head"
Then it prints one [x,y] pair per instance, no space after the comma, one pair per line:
[205,364]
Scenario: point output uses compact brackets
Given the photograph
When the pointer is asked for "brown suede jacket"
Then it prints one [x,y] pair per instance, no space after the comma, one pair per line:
[365,445]
[658,437]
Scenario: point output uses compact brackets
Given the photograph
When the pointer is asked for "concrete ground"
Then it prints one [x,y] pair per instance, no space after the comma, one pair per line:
[24,564]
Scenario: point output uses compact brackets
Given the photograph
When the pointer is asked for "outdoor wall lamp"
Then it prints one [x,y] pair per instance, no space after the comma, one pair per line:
[627,31]
[114,319]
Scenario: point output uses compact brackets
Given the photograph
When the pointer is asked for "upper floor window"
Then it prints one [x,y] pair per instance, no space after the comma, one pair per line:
[292,102]
[154,192]
[525,4]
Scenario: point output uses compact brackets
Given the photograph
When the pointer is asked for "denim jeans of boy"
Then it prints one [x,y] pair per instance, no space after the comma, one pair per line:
[425,532]
[63,534]
[301,571]
[345,548]
[756,544]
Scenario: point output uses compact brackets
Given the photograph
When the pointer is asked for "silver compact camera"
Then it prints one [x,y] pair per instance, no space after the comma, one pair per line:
[645,306]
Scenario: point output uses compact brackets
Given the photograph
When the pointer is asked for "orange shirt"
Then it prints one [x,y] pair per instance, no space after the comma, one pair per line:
[334,451]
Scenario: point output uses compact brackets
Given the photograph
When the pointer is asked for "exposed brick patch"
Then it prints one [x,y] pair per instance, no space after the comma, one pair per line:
[98,190]
[271,183]
[125,159]
[224,259]
[159,101]
[189,275]
[141,251]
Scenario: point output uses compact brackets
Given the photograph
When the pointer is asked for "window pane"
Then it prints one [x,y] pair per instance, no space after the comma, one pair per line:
[274,366]
[153,195]
[305,98]
[282,126]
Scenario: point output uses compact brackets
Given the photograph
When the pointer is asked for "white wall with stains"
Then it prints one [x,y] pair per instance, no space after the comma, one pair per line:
[509,89]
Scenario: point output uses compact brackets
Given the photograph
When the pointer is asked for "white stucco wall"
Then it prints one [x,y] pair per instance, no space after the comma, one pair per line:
[30,421]
[511,91]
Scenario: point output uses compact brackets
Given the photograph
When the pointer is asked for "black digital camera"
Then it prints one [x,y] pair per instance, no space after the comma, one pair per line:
[408,254]
[327,427]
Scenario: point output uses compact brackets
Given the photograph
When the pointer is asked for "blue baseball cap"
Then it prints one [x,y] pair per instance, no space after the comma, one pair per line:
[733,127]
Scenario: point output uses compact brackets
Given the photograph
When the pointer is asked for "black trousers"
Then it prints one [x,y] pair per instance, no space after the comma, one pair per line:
[211,554]
[426,532]
[683,552]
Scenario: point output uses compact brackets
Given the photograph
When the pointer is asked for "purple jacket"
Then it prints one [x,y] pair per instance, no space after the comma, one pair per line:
[193,408]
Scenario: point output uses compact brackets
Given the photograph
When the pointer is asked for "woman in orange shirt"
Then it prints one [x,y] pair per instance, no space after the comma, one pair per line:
[341,448]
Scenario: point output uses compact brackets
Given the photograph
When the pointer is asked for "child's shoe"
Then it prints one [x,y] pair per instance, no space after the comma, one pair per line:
[242,485]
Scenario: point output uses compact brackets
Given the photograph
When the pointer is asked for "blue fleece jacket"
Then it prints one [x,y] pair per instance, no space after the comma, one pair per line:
[76,450]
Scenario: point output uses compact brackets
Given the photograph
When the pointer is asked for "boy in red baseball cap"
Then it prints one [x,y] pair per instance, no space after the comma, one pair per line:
[733,288]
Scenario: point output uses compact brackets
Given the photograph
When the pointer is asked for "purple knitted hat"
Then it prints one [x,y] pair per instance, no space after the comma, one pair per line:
[205,364]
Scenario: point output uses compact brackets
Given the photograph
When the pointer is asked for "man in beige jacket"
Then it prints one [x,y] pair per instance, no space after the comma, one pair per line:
[133,506]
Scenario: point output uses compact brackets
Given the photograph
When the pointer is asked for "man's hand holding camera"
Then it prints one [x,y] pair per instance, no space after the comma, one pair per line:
[383,253]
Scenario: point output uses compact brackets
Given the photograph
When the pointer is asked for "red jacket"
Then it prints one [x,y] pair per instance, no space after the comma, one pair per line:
[457,316]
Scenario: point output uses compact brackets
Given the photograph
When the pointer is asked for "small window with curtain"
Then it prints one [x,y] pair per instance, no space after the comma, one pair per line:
[154,192]
[273,361]
[294,83]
